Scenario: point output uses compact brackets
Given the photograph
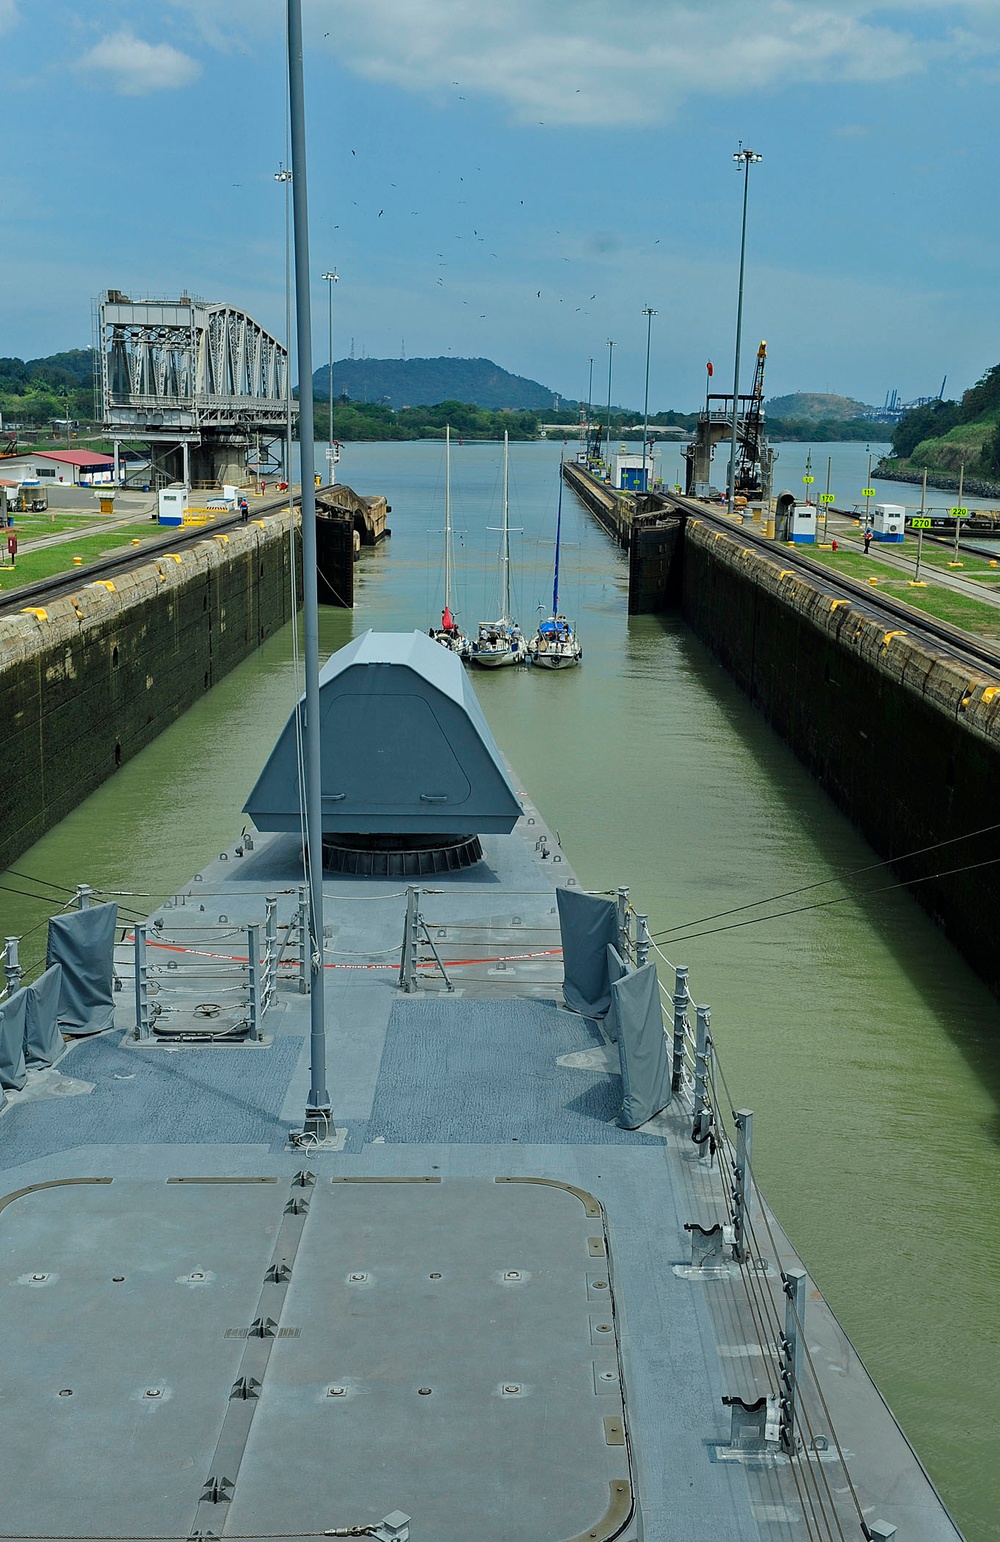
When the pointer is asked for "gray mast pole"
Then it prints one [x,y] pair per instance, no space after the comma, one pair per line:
[318,1106]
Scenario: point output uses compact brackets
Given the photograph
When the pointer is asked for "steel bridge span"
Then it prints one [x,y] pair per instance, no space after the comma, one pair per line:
[201,386]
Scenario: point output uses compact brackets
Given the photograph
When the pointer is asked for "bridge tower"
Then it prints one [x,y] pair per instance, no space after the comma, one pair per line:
[201,386]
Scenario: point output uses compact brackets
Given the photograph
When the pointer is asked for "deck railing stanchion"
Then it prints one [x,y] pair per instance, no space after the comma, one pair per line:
[255,1010]
[408,953]
[702,1124]
[11,965]
[141,983]
[623,923]
[743,1185]
[303,925]
[681,999]
[83,893]
[793,1283]
[270,948]
[641,940]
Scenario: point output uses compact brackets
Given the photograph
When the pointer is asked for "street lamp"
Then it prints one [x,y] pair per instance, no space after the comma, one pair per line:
[746,159]
[284,176]
[331,279]
[611,354]
[649,313]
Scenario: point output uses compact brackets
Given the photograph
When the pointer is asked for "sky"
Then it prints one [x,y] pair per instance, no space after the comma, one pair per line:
[518,181]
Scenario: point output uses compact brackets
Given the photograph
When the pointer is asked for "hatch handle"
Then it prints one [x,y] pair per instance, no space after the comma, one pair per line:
[433,797]
[334,797]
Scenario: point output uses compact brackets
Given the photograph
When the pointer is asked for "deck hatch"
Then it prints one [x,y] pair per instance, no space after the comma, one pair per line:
[483,1401]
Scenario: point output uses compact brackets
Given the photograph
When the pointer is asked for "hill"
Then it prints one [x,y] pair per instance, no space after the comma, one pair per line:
[425,382]
[943,437]
[814,406]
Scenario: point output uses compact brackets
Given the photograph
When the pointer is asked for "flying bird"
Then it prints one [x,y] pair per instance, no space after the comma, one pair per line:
[380,213]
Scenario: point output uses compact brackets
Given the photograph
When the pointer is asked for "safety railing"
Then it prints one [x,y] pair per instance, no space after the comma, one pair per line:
[791,1420]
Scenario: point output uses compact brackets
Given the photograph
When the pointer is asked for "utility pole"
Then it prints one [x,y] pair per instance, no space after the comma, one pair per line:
[649,313]
[331,279]
[611,354]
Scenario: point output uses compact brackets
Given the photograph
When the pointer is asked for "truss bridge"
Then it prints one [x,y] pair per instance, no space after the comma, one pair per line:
[200,386]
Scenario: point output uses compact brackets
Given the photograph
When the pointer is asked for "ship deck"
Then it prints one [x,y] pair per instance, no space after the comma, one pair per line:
[498,1332]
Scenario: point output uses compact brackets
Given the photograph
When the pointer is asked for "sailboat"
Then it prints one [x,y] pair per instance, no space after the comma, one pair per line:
[555,645]
[502,641]
[448,634]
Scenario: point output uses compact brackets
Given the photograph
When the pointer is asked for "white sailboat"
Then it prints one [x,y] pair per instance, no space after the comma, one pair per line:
[555,645]
[448,634]
[501,642]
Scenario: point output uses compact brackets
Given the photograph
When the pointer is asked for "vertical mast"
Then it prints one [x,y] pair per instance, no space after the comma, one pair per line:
[447,516]
[555,579]
[318,1107]
[506,535]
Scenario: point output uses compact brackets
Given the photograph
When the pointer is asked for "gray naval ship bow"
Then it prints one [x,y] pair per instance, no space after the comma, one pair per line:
[521,1288]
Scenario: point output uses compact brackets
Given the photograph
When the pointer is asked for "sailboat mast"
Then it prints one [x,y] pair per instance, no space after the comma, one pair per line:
[506,534]
[555,577]
[447,517]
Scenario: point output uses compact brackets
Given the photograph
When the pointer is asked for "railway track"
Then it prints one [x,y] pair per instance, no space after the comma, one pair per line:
[44,590]
[948,641]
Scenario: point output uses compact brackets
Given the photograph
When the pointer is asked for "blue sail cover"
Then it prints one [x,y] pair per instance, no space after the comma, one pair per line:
[405,748]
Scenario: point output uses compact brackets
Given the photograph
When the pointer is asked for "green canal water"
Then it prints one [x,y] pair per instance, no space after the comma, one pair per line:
[869,1052]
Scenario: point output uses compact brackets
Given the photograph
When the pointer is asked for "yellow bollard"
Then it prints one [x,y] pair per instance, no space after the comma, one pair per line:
[77,562]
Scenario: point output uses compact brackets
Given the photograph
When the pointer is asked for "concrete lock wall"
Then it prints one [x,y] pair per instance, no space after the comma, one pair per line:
[906,743]
[88,683]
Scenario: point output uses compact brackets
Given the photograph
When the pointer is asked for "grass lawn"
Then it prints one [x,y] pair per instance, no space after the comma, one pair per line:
[976,616]
[46,561]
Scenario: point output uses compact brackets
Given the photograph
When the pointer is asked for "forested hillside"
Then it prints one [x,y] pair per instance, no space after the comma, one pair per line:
[424,382]
[945,436]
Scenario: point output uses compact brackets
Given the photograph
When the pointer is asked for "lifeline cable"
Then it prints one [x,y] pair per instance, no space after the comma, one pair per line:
[853,873]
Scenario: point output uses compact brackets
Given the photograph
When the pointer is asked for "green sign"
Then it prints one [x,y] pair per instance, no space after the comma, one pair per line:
[959,513]
[828,497]
[920,524]
[868,492]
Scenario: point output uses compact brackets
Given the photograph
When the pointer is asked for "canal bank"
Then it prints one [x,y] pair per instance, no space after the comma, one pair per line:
[867,1049]
[89,679]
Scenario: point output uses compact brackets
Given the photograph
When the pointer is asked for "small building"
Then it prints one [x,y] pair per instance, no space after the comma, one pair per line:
[74,468]
[889,522]
[630,474]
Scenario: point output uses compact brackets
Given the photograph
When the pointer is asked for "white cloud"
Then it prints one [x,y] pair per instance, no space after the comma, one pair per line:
[137,68]
[574,61]
[8,14]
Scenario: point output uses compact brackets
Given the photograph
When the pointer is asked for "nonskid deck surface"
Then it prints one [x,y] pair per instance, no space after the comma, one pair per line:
[460,1282]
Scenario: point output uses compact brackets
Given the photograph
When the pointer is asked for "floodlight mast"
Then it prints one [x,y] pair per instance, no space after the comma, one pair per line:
[746,159]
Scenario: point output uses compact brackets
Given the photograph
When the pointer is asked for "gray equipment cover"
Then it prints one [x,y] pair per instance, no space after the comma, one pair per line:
[405,748]
[43,1043]
[13,1074]
[84,943]
[642,1048]
[589,926]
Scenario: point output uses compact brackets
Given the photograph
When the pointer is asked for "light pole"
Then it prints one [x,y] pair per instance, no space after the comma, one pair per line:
[649,313]
[284,176]
[611,354]
[590,389]
[331,279]
[746,159]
